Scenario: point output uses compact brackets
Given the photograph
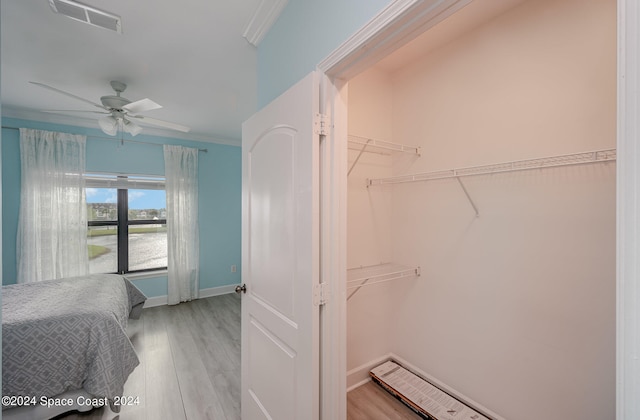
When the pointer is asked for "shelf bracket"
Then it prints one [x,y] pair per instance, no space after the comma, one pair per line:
[383,273]
[475,209]
[355,162]
[357,288]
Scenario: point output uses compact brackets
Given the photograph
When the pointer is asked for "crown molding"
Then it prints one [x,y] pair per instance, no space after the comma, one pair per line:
[264,17]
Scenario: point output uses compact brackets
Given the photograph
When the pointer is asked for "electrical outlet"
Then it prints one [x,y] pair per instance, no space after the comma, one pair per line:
[233,268]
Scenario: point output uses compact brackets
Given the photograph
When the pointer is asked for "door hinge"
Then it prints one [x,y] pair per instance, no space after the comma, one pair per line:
[320,294]
[321,125]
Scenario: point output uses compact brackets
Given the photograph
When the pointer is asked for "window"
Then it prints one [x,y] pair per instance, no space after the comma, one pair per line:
[127,227]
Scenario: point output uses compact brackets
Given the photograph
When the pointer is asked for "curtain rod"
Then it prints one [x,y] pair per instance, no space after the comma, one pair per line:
[112,138]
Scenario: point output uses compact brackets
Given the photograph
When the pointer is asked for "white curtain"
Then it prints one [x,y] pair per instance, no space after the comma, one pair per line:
[52,226]
[181,183]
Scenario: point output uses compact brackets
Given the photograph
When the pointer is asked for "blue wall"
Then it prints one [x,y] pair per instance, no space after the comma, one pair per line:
[306,32]
[220,185]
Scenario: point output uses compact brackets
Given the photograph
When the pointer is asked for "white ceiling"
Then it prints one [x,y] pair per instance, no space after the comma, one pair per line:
[189,56]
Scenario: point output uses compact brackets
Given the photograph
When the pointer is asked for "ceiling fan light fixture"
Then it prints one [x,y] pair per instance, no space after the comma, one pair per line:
[119,111]
[109,125]
[87,14]
[131,127]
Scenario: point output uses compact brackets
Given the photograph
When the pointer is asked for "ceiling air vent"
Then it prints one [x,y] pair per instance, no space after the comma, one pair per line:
[87,14]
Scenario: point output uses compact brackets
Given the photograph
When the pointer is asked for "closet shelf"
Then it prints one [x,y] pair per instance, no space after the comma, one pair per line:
[366,144]
[380,273]
[519,165]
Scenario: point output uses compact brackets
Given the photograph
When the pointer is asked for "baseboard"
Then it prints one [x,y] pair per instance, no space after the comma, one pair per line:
[435,381]
[204,293]
[360,375]
[217,291]
[155,301]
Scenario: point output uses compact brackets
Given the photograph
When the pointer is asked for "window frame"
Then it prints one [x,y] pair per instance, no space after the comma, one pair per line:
[122,184]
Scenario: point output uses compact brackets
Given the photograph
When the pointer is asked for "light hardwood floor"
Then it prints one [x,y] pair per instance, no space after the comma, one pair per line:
[190,368]
[371,402]
[189,362]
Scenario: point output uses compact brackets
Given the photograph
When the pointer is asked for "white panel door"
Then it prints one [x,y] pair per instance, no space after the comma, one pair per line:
[280,258]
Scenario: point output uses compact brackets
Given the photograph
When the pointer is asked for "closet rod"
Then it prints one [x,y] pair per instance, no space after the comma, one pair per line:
[382,144]
[582,158]
[112,138]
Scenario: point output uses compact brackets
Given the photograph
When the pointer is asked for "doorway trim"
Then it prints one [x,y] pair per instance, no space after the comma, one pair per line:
[628,213]
[396,25]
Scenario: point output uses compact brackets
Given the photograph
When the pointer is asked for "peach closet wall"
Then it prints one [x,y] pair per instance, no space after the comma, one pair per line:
[514,308]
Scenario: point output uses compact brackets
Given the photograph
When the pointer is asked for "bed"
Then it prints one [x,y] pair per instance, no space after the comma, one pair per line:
[67,338]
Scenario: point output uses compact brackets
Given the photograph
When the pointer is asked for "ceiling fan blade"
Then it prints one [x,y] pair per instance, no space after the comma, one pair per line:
[161,123]
[57,111]
[143,105]
[71,95]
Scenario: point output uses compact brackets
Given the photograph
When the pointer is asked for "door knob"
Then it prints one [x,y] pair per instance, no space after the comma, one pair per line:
[241,289]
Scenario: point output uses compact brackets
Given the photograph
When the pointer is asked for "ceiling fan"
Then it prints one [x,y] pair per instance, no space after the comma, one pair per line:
[120,112]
